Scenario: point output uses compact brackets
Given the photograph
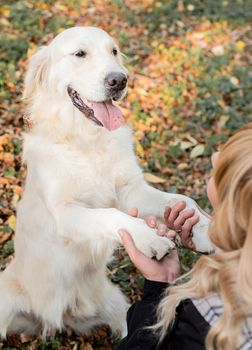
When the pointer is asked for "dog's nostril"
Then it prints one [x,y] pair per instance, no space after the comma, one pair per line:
[124,82]
[116,81]
[112,82]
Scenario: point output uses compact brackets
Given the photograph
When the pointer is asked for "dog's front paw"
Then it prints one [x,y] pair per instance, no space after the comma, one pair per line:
[160,246]
[199,231]
[152,245]
[200,236]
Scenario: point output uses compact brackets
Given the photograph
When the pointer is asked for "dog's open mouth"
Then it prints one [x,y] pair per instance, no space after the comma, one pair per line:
[101,113]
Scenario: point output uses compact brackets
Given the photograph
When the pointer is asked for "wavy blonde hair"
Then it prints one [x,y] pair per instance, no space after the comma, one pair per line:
[228,271]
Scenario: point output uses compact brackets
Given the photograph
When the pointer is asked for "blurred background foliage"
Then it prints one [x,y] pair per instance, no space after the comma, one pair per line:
[190,88]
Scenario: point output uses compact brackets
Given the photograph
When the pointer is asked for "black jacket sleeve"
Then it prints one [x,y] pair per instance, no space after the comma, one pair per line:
[187,333]
[141,315]
[189,330]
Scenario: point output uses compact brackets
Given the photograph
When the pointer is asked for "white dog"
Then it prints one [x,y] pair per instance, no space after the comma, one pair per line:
[83,178]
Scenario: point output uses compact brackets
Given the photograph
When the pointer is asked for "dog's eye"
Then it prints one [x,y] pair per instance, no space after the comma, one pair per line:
[80,53]
[114,52]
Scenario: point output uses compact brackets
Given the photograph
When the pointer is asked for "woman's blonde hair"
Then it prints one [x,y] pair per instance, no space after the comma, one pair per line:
[228,271]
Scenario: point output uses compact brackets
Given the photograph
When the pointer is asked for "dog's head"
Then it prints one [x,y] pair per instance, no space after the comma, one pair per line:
[84,65]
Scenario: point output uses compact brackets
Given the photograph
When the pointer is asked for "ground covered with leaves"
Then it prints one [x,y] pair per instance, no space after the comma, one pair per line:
[190,89]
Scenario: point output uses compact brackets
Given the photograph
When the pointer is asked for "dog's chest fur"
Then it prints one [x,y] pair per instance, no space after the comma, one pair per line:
[88,173]
[93,177]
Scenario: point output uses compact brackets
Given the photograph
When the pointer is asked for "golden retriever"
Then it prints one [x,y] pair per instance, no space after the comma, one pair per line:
[82,180]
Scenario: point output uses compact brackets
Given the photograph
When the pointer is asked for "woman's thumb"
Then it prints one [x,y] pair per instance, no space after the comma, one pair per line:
[128,244]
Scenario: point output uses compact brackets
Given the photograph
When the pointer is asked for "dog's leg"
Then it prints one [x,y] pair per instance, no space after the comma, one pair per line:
[114,311]
[149,200]
[25,323]
[78,224]
[13,301]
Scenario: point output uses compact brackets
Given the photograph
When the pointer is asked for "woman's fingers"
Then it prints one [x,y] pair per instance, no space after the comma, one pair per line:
[187,227]
[161,229]
[182,217]
[151,221]
[133,212]
[174,213]
[150,268]
[185,232]
[176,218]
[173,255]
[171,234]
[167,213]
[130,246]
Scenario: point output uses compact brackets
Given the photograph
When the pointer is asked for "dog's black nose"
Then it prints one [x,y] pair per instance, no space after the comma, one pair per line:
[115,81]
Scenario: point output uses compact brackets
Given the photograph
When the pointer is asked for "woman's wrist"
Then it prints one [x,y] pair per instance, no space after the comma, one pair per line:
[166,277]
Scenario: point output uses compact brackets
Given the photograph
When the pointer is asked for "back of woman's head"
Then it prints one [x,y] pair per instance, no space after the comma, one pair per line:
[232,226]
[231,230]
[228,272]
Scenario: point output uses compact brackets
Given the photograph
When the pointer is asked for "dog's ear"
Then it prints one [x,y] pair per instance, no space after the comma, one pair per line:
[37,73]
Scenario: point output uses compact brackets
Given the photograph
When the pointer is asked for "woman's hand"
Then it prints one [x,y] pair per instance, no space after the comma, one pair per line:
[181,220]
[164,270]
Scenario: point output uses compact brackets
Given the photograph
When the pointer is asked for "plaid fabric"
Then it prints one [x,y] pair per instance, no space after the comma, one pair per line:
[211,309]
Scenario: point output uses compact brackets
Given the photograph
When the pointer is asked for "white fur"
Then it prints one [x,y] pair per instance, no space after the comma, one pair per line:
[82,180]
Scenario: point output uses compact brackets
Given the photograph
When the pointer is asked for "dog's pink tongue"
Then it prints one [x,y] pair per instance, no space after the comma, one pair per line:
[109,115]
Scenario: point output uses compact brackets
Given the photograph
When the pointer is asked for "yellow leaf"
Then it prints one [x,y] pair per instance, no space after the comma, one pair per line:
[4,237]
[12,222]
[180,6]
[141,91]
[4,22]
[218,50]
[15,200]
[192,139]
[197,151]
[223,120]
[5,11]
[32,49]
[139,149]
[153,178]
[234,81]
[61,7]
[42,5]
[17,189]
[182,166]
[190,7]
[185,145]
[240,45]
[59,30]
[161,47]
